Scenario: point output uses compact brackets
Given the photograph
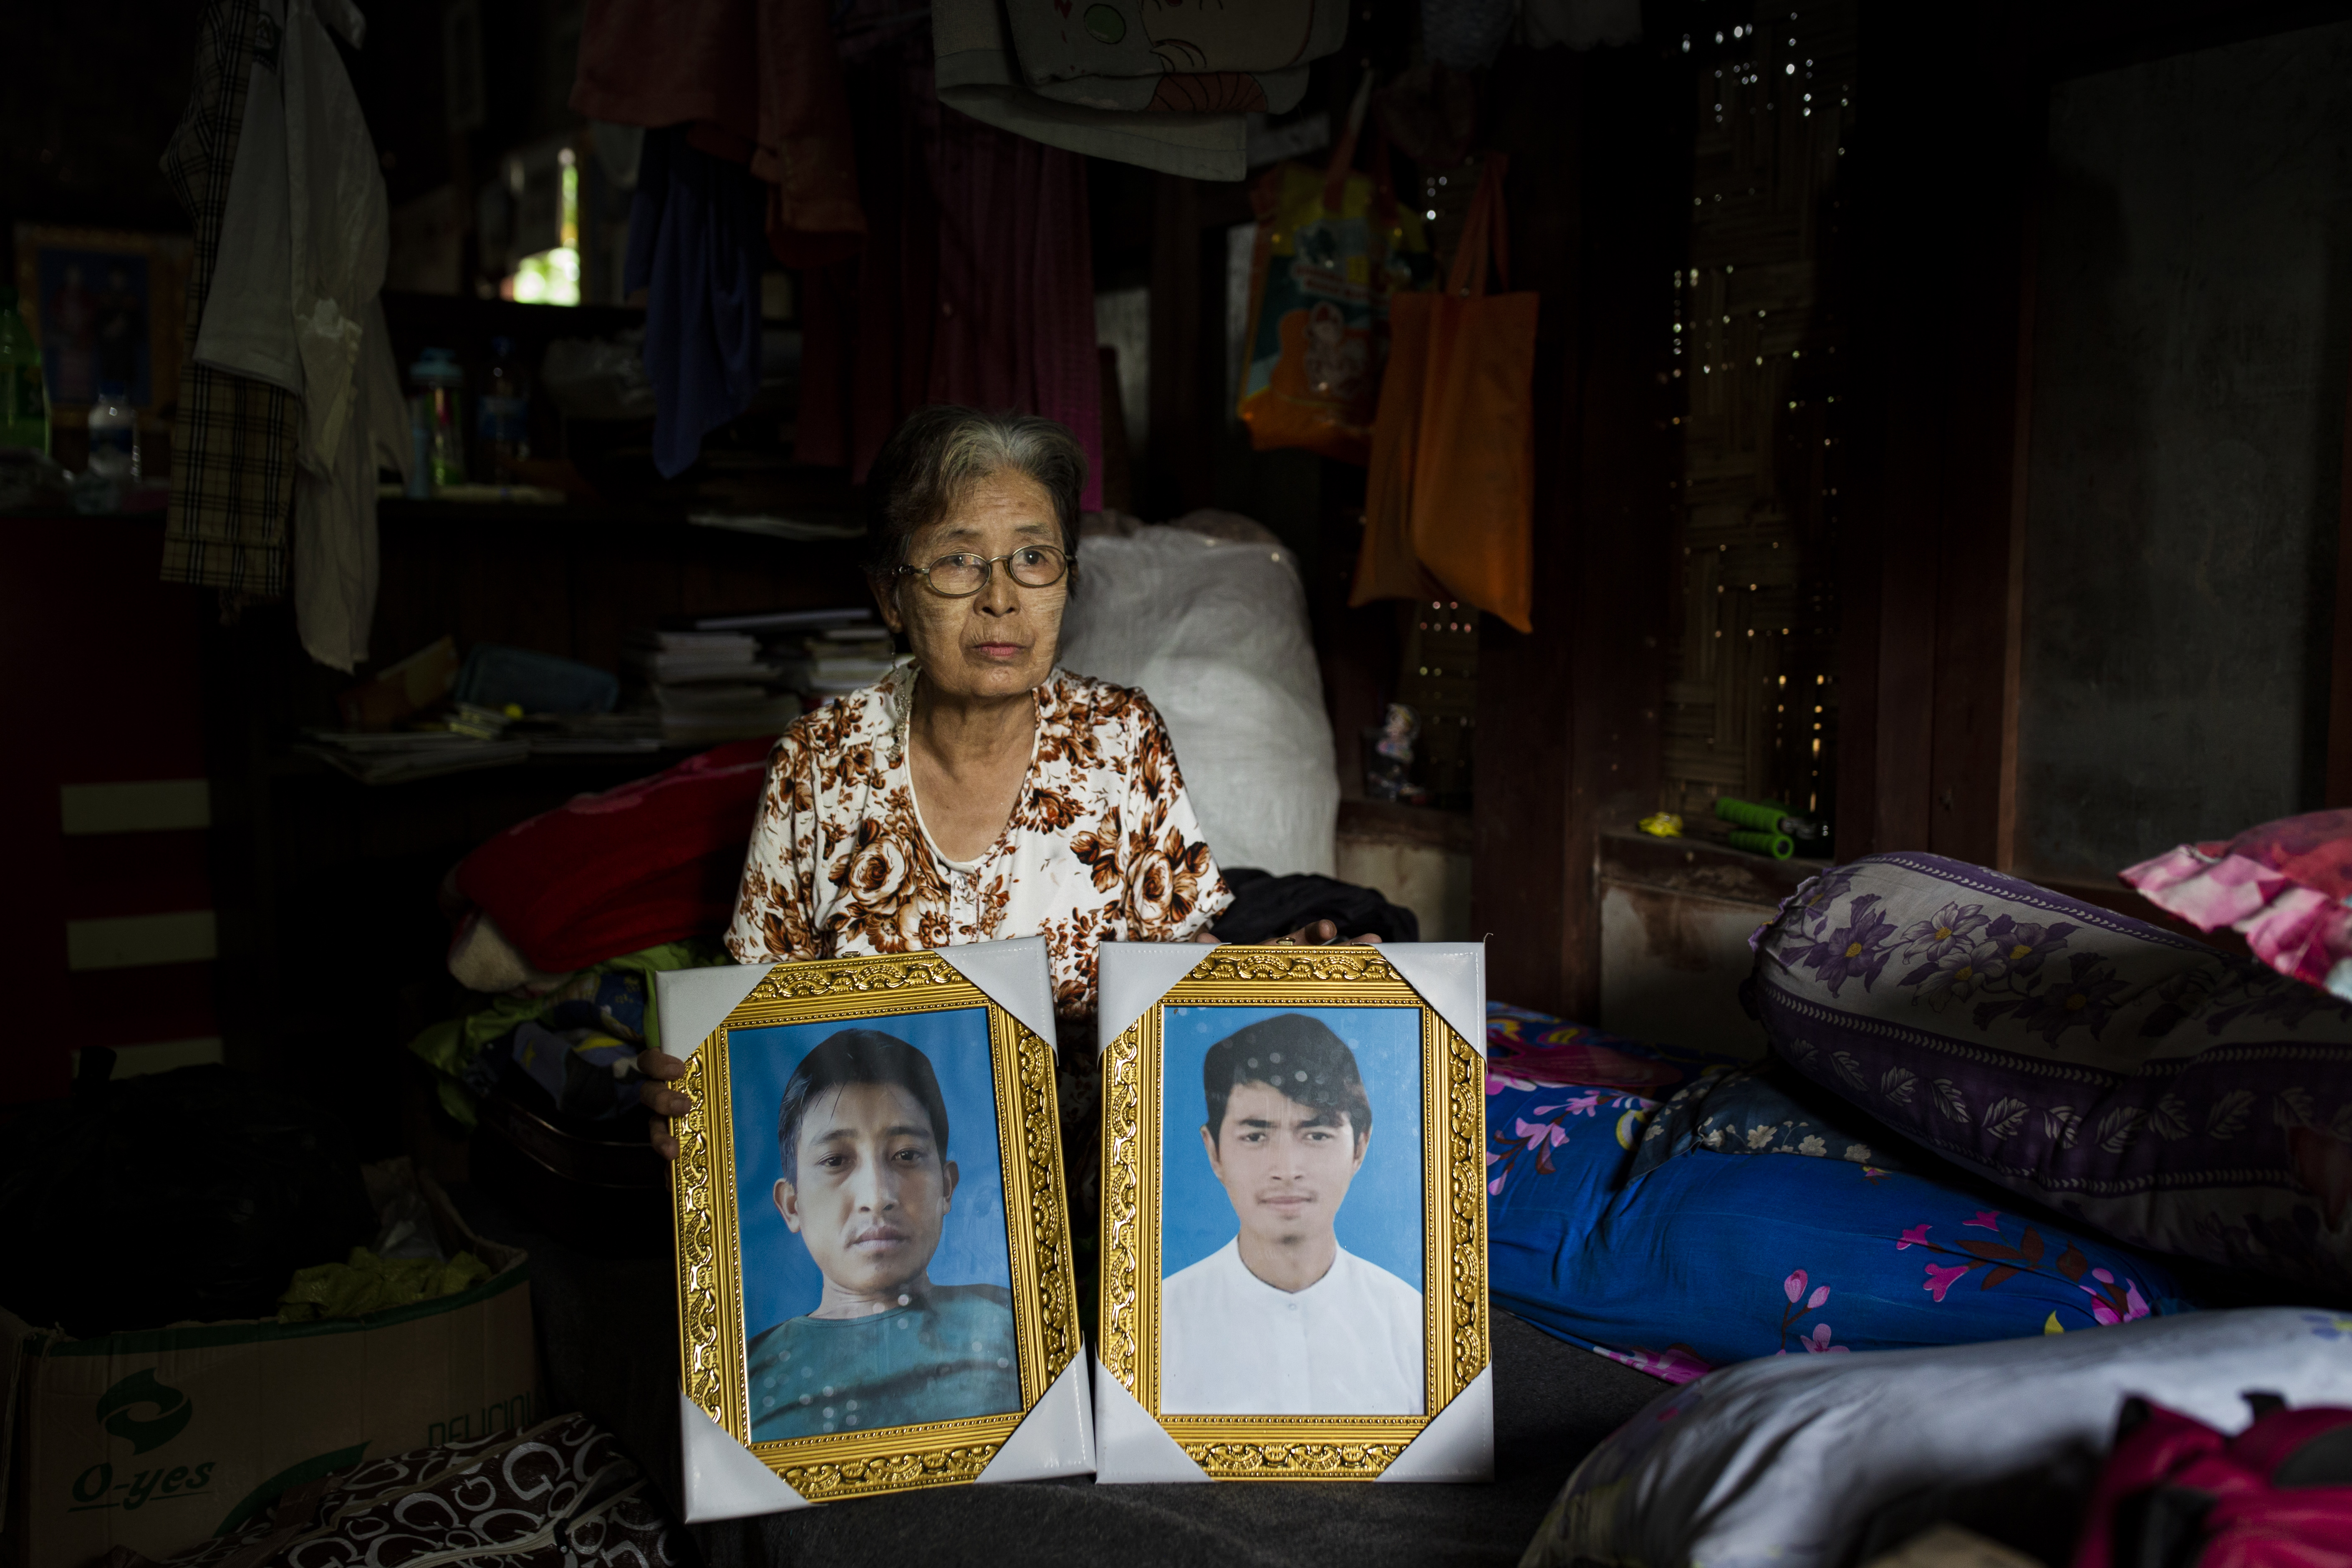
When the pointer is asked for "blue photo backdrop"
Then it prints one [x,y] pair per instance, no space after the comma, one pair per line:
[779,1279]
[1381,1221]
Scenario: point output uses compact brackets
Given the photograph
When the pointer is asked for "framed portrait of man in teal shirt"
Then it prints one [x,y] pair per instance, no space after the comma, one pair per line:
[859,1205]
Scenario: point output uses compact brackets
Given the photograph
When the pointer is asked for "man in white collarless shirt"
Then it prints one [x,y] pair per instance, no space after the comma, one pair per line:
[1281,1321]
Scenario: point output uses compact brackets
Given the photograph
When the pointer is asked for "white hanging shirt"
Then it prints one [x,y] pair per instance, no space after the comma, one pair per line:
[1231,1345]
[293,302]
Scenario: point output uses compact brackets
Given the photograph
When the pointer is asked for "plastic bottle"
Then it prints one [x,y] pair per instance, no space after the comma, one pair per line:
[502,415]
[24,399]
[114,435]
[440,383]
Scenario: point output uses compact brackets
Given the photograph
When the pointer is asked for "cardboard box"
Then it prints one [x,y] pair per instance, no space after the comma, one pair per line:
[161,1439]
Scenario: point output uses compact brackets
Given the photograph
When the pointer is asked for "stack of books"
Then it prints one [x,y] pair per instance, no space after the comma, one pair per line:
[731,678]
[708,687]
[836,660]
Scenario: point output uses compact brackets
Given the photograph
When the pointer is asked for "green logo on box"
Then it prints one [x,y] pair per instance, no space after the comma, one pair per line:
[117,1410]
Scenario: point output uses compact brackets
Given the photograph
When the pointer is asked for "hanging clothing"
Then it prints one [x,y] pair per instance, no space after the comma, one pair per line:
[232,437]
[306,233]
[758,83]
[954,209]
[697,248]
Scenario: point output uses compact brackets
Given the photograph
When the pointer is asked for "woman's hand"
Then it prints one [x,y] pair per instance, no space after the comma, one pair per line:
[663,1103]
[1312,935]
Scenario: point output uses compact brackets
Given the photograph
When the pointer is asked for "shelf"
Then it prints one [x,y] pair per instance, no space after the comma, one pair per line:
[1447,830]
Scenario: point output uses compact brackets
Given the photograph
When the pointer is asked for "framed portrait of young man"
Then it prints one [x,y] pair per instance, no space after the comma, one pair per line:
[1294,1214]
[875,1285]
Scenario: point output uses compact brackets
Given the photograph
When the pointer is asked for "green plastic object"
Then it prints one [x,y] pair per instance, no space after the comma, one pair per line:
[1763,817]
[23,398]
[1777,845]
[366,1283]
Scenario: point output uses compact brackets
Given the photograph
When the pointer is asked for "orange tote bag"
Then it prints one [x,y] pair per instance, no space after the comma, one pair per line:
[1386,568]
[1473,479]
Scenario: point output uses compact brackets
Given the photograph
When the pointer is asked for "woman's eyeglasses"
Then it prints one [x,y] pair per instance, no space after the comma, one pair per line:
[961,576]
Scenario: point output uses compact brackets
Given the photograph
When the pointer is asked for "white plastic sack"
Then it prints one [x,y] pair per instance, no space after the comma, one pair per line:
[1213,630]
[1790,1462]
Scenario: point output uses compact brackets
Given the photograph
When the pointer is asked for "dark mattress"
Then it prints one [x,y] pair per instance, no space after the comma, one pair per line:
[608,1347]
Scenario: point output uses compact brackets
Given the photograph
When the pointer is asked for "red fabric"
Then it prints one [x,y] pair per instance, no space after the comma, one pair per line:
[2253,1520]
[759,82]
[976,285]
[656,861]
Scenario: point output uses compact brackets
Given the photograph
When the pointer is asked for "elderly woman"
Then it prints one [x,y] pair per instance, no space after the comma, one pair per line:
[978,793]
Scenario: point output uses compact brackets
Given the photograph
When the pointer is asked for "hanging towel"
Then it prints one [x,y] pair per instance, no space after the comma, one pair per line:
[233,439]
[697,247]
[759,82]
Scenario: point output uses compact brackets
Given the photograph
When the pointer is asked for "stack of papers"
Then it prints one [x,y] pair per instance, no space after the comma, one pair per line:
[836,660]
[401,755]
[705,683]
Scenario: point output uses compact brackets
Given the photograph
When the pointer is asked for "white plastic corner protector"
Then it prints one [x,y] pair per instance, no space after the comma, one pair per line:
[1451,976]
[1458,1444]
[1017,976]
[724,1479]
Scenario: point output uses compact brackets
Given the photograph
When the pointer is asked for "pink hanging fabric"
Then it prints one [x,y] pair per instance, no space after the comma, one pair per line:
[2285,885]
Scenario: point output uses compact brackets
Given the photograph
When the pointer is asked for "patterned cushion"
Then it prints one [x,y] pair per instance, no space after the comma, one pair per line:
[2173,1096]
[1715,1258]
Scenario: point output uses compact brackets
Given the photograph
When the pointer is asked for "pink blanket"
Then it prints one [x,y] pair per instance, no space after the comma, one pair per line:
[2283,885]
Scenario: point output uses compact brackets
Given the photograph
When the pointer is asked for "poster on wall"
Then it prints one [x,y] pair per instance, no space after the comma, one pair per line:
[106,307]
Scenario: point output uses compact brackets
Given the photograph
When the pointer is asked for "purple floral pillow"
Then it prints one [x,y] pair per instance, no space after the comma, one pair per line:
[2169,1094]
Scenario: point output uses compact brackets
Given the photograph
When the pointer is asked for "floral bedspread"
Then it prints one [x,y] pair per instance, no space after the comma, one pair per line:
[1715,1258]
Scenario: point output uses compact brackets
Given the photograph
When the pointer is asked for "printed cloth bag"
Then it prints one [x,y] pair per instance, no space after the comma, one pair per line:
[1333,249]
[1710,1258]
[2173,1096]
[559,1495]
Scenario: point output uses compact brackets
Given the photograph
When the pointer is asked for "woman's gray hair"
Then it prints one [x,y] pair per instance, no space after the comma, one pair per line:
[940,452]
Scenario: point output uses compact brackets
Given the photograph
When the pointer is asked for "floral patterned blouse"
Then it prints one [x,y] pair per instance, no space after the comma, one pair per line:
[1102,845]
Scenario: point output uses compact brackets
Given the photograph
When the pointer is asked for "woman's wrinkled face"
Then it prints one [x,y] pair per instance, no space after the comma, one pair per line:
[1001,641]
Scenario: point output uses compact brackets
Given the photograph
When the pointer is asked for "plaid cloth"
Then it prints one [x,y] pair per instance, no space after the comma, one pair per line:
[232,437]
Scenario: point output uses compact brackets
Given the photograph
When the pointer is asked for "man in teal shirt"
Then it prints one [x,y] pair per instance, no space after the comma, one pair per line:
[863,1130]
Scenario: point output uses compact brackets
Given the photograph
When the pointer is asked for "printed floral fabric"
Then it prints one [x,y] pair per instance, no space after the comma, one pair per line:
[1102,845]
[2283,885]
[1766,1109]
[1710,1258]
[2170,1094]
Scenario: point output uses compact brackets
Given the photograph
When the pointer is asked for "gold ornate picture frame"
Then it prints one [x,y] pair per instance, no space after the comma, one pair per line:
[1175,1027]
[776,1344]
